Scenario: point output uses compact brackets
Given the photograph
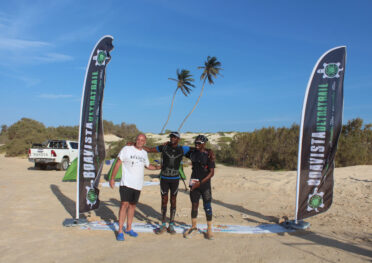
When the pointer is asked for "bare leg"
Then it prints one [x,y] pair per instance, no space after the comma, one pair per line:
[193,223]
[194,215]
[131,209]
[122,215]
[209,230]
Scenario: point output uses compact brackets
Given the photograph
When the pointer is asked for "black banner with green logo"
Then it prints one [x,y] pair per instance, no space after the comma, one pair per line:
[91,144]
[320,129]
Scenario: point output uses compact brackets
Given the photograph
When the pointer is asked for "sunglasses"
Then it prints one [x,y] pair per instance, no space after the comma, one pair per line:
[198,143]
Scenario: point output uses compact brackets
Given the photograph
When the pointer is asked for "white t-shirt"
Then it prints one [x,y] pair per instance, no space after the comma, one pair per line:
[134,162]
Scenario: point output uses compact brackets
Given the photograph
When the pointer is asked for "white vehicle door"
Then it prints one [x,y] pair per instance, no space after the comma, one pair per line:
[74,150]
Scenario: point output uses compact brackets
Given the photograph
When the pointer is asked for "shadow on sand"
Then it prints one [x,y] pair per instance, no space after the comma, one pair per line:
[243,210]
[328,242]
[303,234]
[46,168]
[143,212]
[66,202]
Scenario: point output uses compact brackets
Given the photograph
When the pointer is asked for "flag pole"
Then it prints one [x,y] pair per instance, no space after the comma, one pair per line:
[295,223]
[77,215]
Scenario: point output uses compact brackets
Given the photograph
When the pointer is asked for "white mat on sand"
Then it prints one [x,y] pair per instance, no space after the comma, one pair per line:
[233,229]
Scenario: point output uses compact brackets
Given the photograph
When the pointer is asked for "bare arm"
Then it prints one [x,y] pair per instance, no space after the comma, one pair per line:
[153,167]
[206,179]
[114,172]
[150,150]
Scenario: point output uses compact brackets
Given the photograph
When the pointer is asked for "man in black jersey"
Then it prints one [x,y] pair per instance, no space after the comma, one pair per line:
[171,155]
[203,165]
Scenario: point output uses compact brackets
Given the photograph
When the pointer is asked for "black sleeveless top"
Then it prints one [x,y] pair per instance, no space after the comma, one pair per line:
[171,160]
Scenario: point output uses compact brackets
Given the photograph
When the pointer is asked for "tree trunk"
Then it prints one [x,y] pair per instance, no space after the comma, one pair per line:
[174,95]
[201,93]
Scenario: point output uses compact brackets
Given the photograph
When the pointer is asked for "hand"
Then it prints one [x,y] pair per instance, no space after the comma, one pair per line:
[195,185]
[130,143]
[112,184]
[158,167]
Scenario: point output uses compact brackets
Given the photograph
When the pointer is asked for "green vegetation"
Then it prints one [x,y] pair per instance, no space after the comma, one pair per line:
[355,144]
[268,148]
[225,139]
[20,136]
[277,148]
[122,130]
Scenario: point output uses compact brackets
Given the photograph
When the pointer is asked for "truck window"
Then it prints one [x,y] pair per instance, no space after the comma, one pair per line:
[74,145]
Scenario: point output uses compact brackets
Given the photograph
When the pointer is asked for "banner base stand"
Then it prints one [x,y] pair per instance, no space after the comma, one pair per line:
[71,222]
[298,225]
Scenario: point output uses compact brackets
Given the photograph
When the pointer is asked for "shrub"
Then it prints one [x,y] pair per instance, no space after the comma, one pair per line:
[225,139]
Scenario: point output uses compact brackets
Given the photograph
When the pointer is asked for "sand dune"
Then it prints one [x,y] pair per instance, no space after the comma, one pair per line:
[189,137]
[35,203]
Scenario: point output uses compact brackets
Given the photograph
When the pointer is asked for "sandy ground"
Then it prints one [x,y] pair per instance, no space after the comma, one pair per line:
[35,203]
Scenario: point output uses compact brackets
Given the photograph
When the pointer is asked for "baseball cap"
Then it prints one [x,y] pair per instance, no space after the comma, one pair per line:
[175,134]
[201,139]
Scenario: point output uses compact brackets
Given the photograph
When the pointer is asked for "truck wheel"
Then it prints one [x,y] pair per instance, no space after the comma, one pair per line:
[63,165]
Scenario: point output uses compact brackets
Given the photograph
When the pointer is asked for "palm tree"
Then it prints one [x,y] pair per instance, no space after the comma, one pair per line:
[184,83]
[211,69]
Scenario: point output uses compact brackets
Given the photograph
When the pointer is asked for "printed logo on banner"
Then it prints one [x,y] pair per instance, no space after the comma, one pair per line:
[330,70]
[91,194]
[101,57]
[315,201]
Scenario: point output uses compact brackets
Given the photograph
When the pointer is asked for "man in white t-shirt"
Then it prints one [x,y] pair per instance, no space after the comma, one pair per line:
[134,160]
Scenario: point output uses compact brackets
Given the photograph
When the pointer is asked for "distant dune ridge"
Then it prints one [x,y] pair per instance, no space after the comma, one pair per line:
[189,137]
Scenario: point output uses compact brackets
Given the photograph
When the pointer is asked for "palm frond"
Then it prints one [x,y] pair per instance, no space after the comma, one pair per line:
[184,81]
[211,69]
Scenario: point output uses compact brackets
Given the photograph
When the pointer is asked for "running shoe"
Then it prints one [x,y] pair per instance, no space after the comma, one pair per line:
[190,232]
[171,229]
[120,237]
[131,233]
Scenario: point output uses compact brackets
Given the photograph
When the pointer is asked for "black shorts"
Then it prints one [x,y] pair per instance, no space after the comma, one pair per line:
[169,184]
[129,194]
[206,193]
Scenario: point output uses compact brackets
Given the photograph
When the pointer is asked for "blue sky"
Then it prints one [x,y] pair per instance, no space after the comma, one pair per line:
[267,49]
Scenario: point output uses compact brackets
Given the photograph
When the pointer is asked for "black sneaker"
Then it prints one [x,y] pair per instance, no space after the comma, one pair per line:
[171,229]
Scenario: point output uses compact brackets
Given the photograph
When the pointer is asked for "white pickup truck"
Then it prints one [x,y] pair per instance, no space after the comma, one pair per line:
[59,153]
